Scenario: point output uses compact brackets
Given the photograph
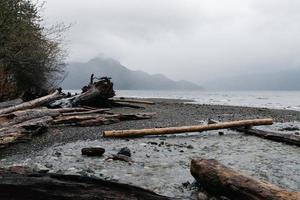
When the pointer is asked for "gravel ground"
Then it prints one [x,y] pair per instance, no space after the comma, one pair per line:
[162,163]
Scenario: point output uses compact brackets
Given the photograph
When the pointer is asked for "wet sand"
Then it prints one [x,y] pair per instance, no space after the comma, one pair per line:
[161,163]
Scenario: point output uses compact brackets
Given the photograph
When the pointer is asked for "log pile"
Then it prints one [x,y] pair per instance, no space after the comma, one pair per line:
[222,181]
[20,122]
[21,183]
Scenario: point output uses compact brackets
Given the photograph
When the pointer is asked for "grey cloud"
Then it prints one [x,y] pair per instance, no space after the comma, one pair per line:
[197,40]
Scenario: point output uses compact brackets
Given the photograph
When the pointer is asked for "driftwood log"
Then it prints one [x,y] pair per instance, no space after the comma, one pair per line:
[95,119]
[288,138]
[18,183]
[96,94]
[32,104]
[220,180]
[183,129]
[23,131]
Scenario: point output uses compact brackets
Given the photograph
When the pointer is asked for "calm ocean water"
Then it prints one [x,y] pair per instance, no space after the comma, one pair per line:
[267,99]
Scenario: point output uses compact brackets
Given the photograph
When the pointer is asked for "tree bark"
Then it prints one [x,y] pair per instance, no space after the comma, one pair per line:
[32,104]
[184,129]
[223,181]
[18,183]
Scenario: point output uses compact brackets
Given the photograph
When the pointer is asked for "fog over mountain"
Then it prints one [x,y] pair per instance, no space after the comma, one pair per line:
[123,78]
[203,41]
[280,80]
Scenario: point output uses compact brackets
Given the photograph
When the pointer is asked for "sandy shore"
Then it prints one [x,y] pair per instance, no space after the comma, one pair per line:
[162,163]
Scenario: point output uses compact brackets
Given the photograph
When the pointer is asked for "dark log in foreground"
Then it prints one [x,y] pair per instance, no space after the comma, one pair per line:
[287,138]
[184,129]
[32,104]
[220,180]
[25,185]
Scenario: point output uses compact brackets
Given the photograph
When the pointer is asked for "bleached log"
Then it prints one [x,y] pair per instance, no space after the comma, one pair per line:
[32,104]
[184,129]
[25,115]
[223,181]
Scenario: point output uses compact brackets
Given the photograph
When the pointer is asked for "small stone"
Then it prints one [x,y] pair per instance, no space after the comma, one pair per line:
[202,196]
[48,165]
[93,151]
[297,133]
[221,133]
[58,154]
[186,184]
[190,147]
[125,151]
[181,151]
[153,143]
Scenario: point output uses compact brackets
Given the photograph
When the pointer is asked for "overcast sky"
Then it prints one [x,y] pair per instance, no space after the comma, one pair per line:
[184,39]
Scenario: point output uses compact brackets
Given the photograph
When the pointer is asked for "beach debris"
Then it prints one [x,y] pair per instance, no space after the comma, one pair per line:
[184,129]
[125,151]
[223,181]
[33,103]
[23,184]
[93,151]
[96,94]
[290,128]
[287,138]
[19,122]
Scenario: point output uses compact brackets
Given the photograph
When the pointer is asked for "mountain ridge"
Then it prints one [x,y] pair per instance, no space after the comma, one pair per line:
[123,78]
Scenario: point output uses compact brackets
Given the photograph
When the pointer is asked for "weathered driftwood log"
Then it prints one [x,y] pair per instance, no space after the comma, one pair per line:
[23,131]
[183,129]
[32,104]
[95,119]
[95,94]
[287,138]
[103,110]
[10,103]
[220,180]
[21,184]
[25,115]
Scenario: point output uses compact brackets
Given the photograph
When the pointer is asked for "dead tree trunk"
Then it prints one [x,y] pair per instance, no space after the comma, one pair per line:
[287,138]
[21,184]
[184,129]
[220,180]
[32,104]
[95,95]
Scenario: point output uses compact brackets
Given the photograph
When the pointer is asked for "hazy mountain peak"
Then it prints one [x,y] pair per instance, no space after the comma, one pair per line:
[123,78]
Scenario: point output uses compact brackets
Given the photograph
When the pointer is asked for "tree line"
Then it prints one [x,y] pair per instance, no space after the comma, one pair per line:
[32,53]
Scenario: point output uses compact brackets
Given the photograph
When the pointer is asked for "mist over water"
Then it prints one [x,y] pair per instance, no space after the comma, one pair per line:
[289,100]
